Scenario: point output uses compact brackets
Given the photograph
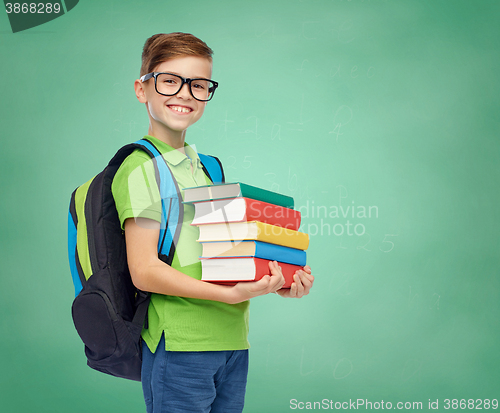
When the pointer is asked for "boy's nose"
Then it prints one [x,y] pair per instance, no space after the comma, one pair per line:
[184,92]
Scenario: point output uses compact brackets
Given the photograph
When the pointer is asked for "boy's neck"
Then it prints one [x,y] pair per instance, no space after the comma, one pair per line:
[175,140]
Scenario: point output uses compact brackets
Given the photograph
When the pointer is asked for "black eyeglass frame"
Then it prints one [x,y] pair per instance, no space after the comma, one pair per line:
[184,80]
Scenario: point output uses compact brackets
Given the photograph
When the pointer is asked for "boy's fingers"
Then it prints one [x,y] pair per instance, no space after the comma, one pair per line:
[277,282]
[281,284]
[277,279]
[271,282]
[262,284]
[298,282]
[307,278]
[275,268]
[265,280]
[302,283]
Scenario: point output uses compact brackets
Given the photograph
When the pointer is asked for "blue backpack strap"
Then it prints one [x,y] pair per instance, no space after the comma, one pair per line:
[213,168]
[171,201]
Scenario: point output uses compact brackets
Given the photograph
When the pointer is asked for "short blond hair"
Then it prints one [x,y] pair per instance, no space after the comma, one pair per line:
[162,47]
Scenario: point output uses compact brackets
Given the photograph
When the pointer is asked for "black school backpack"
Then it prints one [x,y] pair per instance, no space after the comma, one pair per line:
[108,311]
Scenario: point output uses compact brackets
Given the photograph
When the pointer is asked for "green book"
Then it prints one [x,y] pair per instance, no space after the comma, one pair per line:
[233,190]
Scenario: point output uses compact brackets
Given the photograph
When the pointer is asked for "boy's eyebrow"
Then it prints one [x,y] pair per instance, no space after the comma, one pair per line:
[178,74]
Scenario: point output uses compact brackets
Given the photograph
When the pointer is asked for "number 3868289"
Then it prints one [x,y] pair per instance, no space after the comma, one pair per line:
[32,8]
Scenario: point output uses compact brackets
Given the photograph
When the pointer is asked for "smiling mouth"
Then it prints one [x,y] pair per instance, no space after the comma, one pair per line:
[180,109]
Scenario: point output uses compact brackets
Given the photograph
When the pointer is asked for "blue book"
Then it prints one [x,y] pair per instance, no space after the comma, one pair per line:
[258,249]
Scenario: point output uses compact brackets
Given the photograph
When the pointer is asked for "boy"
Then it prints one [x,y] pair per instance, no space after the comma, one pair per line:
[195,355]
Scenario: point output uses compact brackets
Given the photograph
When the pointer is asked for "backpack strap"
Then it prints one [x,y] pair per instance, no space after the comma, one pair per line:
[76,271]
[213,168]
[172,216]
[171,200]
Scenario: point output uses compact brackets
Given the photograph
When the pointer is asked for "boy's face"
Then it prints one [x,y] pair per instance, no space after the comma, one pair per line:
[170,116]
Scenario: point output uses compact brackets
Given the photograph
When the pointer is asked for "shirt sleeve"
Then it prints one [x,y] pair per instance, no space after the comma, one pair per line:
[135,189]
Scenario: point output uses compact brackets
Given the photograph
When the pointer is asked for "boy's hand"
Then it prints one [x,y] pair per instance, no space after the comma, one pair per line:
[303,282]
[267,284]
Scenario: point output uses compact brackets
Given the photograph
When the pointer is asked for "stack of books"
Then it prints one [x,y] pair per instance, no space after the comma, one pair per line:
[242,228]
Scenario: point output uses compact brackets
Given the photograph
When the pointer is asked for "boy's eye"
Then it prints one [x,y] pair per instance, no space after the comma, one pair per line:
[199,85]
[168,80]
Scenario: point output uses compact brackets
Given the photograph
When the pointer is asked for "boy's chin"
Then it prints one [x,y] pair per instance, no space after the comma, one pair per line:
[172,128]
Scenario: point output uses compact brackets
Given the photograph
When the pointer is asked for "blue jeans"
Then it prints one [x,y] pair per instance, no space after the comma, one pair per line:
[194,381]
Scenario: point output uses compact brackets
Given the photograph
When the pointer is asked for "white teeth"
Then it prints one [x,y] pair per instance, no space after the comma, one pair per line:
[180,109]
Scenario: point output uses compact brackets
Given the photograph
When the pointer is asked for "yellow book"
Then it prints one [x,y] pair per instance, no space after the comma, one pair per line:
[254,230]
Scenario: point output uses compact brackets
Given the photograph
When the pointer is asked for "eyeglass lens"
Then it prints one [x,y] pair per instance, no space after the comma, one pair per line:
[171,84]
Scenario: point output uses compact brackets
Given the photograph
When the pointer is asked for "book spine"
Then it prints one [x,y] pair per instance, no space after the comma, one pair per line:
[259,194]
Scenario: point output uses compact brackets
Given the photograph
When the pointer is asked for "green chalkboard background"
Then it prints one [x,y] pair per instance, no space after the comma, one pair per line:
[381,118]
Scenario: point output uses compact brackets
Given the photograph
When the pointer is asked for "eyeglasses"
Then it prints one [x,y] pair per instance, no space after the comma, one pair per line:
[168,84]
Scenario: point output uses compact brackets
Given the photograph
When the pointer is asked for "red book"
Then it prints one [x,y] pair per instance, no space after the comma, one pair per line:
[245,209]
[231,270]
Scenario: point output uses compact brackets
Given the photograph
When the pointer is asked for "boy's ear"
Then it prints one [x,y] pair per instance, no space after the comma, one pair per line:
[139,91]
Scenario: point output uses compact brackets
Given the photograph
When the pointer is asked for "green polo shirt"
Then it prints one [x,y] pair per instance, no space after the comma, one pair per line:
[188,324]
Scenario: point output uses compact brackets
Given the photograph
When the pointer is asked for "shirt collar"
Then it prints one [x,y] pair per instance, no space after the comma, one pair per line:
[173,156]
